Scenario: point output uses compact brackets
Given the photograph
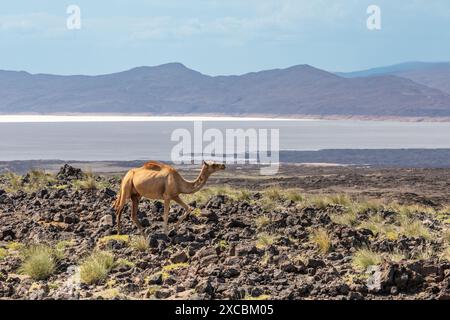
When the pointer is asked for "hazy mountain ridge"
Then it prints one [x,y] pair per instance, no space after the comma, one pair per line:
[435,75]
[406,91]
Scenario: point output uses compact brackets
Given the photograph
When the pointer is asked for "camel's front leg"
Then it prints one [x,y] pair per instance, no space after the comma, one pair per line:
[166,214]
[186,207]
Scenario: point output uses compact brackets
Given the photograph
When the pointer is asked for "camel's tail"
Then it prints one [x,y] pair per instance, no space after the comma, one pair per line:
[125,191]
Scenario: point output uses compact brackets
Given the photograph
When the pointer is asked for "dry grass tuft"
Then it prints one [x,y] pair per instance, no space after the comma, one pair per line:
[96,267]
[322,240]
[89,182]
[262,221]
[348,218]
[340,199]
[396,256]
[175,266]
[423,254]
[261,297]
[39,261]
[414,228]
[3,253]
[139,243]
[264,240]
[116,237]
[294,196]
[376,224]
[274,194]
[363,258]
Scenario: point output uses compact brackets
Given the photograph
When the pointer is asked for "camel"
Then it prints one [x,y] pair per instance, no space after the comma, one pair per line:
[156,180]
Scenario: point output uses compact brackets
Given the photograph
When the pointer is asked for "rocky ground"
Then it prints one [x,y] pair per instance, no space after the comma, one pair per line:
[259,244]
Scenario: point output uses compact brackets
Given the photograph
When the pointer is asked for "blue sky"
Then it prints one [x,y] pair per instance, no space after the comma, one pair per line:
[220,36]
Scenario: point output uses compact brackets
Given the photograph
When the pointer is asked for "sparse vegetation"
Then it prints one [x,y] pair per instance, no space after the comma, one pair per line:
[174,266]
[125,262]
[422,254]
[322,240]
[39,262]
[414,228]
[151,291]
[363,258]
[34,180]
[261,297]
[262,221]
[115,237]
[89,182]
[446,254]
[13,182]
[319,202]
[295,196]
[139,243]
[348,218]
[273,194]
[14,246]
[340,199]
[264,240]
[293,237]
[223,245]
[409,211]
[3,253]
[396,256]
[60,249]
[243,195]
[446,236]
[377,225]
[202,196]
[110,293]
[373,206]
[38,179]
[96,267]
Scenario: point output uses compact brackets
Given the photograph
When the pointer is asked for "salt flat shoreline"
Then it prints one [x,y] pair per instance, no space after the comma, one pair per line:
[120,117]
[129,118]
[350,158]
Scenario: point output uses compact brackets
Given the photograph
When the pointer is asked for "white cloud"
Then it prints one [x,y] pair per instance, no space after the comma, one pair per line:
[226,20]
[281,19]
[38,23]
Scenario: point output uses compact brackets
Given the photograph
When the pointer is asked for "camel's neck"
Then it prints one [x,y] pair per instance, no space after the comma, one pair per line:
[197,184]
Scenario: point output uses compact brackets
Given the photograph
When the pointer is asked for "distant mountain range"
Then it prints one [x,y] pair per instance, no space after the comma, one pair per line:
[405,90]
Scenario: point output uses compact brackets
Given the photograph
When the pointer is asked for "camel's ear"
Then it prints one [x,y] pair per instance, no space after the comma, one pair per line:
[205,163]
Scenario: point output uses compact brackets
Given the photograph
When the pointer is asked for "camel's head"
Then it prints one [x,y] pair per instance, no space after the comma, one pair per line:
[212,167]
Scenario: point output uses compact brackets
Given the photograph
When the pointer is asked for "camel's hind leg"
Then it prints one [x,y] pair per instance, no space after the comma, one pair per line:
[134,209]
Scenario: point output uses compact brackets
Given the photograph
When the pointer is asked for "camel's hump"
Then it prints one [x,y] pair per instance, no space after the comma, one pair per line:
[155,166]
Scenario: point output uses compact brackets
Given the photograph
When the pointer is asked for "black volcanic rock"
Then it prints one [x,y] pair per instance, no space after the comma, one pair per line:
[68,172]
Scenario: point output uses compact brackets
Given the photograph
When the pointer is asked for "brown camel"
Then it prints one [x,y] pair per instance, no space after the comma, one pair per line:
[155,180]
